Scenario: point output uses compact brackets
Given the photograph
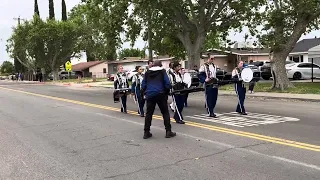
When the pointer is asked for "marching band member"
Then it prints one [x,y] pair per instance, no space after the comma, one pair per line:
[239,88]
[170,72]
[136,89]
[178,99]
[207,75]
[183,71]
[121,81]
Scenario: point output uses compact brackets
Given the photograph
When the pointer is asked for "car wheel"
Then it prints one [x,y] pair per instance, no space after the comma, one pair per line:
[297,76]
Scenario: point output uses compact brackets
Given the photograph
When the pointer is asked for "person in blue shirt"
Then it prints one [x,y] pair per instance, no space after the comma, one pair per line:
[121,81]
[136,89]
[207,76]
[156,87]
[239,88]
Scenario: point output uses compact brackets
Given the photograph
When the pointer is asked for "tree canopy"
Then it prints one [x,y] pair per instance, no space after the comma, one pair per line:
[283,22]
[7,68]
[132,53]
[47,44]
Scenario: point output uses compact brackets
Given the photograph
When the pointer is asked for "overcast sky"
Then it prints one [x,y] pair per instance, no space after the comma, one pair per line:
[10,9]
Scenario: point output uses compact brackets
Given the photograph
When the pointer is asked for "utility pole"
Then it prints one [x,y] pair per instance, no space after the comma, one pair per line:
[19,20]
[17,65]
[149,16]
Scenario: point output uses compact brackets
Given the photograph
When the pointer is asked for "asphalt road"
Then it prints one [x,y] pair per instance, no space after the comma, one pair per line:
[53,132]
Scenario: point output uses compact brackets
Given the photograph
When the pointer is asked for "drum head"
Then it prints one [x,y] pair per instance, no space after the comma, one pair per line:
[247,75]
[187,79]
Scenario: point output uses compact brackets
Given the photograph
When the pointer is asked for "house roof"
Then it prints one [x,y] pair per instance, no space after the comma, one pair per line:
[85,65]
[137,60]
[254,51]
[241,51]
[306,44]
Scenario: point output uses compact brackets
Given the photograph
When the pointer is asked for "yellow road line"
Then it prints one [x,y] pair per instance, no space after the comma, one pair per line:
[193,124]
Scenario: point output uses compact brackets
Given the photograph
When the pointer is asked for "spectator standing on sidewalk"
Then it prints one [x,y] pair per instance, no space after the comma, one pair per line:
[156,86]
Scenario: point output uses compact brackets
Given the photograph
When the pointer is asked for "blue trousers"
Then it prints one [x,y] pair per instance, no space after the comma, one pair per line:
[141,101]
[124,104]
[211,99]
[241,92]
[179,104]
[186,100]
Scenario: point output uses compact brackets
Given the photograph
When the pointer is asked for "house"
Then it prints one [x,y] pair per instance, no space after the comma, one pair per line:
[300,50]
[87,69]
[227,59]
[129,63]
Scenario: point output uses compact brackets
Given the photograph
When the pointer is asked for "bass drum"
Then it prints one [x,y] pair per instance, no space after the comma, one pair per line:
[187,79]
[246,75]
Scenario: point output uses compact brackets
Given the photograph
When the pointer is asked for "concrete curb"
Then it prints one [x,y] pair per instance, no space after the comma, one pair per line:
[249,96]
[274,97]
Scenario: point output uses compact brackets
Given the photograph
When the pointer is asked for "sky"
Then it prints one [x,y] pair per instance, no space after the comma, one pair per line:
[10,9]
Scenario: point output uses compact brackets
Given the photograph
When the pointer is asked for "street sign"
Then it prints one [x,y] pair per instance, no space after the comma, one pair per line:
[68,66]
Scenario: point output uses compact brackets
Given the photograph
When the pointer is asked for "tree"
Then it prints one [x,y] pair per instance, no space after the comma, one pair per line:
[284,21]
[191,21]
[36,8]
[51,9]
[58,40]
[17,49]
[102,29]
[7,68]
[64,11]
[132,53]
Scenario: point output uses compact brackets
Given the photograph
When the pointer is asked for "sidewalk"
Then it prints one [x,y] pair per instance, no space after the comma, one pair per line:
[306,97]
[109,84]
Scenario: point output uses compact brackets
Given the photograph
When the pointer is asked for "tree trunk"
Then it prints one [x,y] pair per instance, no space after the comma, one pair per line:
[193,47]
[150,48]
[280,81]
[193,56]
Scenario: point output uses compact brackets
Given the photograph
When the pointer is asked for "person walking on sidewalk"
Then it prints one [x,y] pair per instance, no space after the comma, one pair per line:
[156,87]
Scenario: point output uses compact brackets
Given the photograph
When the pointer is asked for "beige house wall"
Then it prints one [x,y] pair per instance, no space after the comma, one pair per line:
[97,70]
[255,58]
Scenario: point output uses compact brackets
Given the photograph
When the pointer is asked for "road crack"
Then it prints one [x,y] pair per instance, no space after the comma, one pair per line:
[170,164]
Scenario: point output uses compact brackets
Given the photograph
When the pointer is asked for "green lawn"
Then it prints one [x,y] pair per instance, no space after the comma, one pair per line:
[300,88]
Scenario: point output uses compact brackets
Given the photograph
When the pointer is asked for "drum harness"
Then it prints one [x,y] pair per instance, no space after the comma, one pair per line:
[121,84]
[176,86]
[138,85]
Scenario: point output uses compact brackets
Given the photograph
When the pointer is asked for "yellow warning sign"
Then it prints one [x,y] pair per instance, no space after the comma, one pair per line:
[68,66]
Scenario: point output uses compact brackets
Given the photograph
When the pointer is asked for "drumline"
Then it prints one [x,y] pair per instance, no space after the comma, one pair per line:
[246,76]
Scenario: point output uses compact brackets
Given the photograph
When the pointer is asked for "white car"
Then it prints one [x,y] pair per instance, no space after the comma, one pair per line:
[302,71]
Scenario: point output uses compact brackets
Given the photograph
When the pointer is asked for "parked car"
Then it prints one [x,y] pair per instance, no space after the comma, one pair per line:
[63,75]
[194,77]
[256,72]
[110,77]
[266,69]
[298,71]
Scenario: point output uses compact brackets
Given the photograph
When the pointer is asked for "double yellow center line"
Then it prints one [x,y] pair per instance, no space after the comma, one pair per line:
[189,123]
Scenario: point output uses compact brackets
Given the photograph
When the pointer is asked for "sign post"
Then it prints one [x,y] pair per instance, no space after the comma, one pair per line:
[68,66]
